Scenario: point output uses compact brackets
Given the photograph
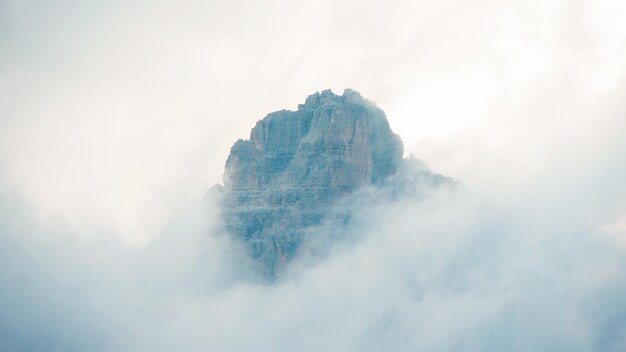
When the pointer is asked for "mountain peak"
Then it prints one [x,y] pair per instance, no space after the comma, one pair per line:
[328,97]
[297,164]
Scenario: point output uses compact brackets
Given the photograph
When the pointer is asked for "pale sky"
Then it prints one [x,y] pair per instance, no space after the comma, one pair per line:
[117,116]
[113,114]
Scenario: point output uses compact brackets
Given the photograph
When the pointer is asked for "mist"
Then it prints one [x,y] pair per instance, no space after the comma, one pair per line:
[116,118]
[452,271]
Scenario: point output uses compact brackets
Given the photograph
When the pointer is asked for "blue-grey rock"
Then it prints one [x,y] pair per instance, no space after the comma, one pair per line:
[297,165]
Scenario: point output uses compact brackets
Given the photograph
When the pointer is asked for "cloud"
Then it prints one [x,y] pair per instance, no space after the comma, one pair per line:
[464,270]
[114,123]
[137,103]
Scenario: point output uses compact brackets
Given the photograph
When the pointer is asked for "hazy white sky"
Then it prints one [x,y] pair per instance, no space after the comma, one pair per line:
[113,114]
[117,116]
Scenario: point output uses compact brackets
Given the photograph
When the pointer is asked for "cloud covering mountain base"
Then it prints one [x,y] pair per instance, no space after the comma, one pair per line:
[456,271]
[114,115]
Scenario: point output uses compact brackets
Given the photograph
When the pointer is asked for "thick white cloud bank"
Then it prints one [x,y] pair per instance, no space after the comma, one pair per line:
[454,272]
[115,118]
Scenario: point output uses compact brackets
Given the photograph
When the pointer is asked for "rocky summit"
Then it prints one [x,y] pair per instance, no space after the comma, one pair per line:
[297,165]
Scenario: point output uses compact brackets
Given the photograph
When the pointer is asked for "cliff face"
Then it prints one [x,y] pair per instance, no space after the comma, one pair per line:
[297,165]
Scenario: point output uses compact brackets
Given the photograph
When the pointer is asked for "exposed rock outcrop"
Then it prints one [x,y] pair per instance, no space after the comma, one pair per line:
[297,164]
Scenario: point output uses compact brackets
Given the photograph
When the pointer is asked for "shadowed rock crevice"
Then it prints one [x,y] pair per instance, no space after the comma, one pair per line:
[297,165]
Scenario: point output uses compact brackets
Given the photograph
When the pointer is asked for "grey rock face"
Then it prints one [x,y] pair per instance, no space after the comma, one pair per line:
[297,165]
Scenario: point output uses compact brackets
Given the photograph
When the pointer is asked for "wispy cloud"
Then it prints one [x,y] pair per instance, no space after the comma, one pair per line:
[115,118]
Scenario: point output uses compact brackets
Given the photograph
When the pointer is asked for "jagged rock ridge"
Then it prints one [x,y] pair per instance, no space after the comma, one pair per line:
[297,164]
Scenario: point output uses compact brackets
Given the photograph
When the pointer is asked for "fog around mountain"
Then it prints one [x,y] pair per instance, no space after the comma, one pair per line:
[453,269]
[116,118]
